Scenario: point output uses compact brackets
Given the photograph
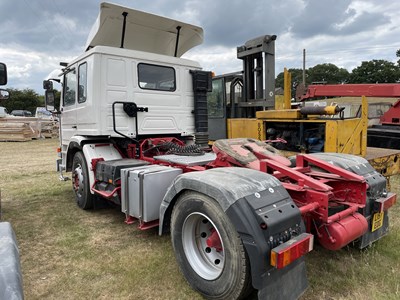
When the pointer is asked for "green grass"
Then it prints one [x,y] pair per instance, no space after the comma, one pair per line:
[68,253]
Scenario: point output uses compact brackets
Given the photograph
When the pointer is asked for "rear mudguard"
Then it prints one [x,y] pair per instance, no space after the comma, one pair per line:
[262,212]
[376,189]
[10,271]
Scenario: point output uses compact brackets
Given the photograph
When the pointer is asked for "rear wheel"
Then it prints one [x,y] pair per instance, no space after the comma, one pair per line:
[80,182]
[208,248]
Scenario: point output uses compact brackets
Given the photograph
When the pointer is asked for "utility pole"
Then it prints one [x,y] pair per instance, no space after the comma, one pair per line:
[304,67]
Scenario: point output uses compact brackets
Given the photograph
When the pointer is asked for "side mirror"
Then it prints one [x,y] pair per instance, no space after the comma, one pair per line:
[4,94]
[49,98]
[3,74]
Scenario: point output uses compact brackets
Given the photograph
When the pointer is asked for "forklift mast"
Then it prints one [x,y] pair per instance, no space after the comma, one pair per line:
[258,56]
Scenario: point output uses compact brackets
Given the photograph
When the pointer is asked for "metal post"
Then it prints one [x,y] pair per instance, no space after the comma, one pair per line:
[124,14]
[178,31]
[270,72]
[304,67]
[259,77]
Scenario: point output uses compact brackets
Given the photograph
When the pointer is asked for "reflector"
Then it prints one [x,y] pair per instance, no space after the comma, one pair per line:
[383,204]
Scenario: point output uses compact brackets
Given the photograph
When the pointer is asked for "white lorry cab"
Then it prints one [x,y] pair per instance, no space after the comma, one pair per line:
[131,64]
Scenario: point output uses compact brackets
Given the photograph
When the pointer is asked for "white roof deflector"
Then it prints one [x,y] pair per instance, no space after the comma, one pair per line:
[143,31]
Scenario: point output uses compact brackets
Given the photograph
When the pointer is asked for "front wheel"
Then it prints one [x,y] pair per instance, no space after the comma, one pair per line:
[208,248]
[80,181]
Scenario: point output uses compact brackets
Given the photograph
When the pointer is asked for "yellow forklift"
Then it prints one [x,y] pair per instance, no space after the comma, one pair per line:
[244,104]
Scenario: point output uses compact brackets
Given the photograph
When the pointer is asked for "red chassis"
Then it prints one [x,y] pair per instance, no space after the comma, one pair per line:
[331,199]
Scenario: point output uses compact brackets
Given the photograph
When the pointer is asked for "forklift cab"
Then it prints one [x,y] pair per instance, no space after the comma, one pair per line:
[237,97]
[222,103]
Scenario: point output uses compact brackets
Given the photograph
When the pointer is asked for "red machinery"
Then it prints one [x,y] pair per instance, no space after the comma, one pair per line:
[385,135]
[352,90]
[392,116]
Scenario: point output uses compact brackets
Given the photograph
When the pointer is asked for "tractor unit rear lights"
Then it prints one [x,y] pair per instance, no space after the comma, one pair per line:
[383,204]
[293,249]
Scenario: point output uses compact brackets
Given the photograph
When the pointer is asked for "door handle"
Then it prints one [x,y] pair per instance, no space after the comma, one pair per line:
[74,127]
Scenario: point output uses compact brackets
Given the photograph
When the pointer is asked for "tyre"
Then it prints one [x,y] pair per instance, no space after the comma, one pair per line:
[208,249]
[80,182]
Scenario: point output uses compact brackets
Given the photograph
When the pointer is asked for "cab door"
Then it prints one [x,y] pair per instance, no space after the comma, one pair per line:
[68,108]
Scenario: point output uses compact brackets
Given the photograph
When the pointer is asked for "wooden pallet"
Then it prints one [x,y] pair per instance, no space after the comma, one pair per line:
[26,128]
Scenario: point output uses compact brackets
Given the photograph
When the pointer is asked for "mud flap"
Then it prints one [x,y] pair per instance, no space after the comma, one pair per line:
[371,236]
[264,216]
[275,208]
[293,278]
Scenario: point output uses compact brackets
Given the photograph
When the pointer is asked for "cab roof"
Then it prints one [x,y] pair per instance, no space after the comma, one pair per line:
[143,31]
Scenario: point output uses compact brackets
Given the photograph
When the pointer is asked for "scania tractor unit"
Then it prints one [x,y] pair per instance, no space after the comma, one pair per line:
[241,216]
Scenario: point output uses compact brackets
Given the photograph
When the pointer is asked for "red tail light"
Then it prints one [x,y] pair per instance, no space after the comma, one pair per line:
[293,249]
[384,204]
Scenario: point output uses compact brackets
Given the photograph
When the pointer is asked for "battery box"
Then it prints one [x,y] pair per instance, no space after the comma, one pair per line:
[110,170]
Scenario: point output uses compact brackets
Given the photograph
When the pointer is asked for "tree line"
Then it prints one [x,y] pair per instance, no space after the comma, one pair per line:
[26,99]
[374,71]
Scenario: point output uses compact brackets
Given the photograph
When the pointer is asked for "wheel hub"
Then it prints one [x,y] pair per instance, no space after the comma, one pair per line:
[203,246]
[214,241]
[77,180]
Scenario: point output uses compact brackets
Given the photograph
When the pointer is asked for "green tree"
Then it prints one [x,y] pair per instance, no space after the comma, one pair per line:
[398,55]
[41,100]
[376,71]
[26,99]
[297,77]
[328,73]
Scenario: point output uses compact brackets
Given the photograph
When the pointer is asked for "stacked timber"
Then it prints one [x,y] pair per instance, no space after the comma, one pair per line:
[48,129]
[19,129]
[15,132]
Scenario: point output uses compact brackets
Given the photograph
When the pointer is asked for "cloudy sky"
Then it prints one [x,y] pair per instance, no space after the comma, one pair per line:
[37,35]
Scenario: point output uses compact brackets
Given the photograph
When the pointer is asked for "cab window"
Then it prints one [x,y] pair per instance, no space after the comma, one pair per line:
[69,88]
[154,77]
[82,83]
[215,100]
